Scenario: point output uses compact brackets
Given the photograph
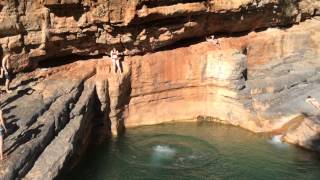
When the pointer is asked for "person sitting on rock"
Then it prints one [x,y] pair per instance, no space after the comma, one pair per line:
[5,70]
[313,101]
[114,54]
[3,130]
[213,40]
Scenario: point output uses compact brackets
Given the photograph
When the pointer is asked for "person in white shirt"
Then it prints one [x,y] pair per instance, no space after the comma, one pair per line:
[114,54]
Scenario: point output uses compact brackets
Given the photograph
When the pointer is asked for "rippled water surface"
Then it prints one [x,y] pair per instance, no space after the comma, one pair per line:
[196,151]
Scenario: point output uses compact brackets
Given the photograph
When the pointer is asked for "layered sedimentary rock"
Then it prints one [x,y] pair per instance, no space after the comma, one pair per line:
[36,30]
[257,80]
[245,81]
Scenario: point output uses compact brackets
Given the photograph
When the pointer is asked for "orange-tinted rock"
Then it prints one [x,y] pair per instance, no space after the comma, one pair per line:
[243,81]
[92,27]
[306,134]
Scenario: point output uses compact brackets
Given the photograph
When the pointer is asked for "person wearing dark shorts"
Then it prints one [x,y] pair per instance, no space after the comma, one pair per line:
[3,129]
[8,76]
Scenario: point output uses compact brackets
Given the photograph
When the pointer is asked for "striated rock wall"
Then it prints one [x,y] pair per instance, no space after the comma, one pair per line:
[36,30]
[247,81]
[184,83]
[71,142]
[49,122]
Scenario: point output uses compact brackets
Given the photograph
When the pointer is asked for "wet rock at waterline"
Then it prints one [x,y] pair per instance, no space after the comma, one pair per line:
[255,80]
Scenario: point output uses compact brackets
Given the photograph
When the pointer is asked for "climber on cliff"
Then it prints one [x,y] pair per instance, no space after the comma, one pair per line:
[5,71]
[3,130]
[44,38]
[114,54]
[313,101]
[44,28]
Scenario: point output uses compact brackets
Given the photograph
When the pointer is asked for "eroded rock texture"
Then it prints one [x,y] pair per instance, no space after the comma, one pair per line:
[247,81]
[257,77]
[37,30]
[38,119]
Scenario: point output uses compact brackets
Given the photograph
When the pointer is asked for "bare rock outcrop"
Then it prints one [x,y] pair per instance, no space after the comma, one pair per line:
[306,134]
[55,112]
[71,141]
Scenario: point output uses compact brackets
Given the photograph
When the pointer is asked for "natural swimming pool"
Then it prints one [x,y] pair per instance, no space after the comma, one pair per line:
[196,151]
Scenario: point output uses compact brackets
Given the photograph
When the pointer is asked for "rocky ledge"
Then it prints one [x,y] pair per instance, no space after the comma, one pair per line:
[256,78]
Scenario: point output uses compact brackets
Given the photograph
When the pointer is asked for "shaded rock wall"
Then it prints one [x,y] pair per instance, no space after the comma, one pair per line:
[49,122]
[70,143]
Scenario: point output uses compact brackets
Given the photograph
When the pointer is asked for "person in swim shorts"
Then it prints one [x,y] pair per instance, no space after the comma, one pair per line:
[3,130]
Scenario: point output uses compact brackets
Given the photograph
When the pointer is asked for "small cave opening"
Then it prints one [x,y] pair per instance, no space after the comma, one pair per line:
[245,74]
[244,51]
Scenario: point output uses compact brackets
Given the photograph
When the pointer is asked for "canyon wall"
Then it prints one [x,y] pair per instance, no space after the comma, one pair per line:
[37,30]
[258,81]
[257,77]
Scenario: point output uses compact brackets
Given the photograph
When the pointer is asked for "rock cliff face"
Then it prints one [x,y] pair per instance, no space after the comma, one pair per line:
[37,30]
[257,77]
[258,81]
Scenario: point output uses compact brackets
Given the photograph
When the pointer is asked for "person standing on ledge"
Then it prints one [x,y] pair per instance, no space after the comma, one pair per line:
[3,130]
[45,15]
[114,54]
[5,70]
[313,101]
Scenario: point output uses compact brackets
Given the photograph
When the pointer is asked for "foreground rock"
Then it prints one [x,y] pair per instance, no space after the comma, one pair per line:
[39,116]
[306,134]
